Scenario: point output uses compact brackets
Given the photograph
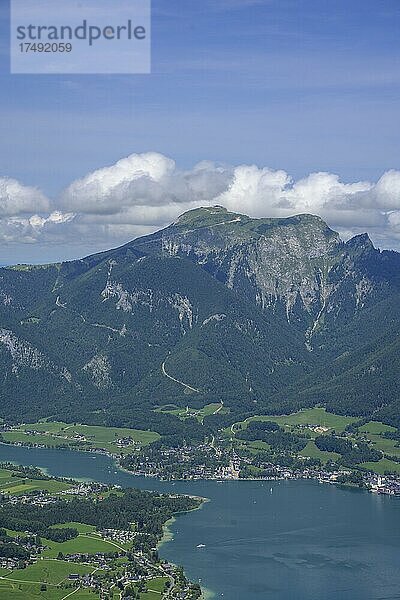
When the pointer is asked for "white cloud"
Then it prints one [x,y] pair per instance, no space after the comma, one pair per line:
[386,192]
[255,190]
[263,192]
[144,192]
[147,180]
[36,227]
[16,198]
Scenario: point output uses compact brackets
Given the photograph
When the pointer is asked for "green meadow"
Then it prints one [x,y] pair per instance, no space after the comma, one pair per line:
[12,483]
[51,572]
[312,451]
[83,544]
[375,427]
[309,416]
[29,591]
[382,466]
[155,588]
[198,413]
[78,436]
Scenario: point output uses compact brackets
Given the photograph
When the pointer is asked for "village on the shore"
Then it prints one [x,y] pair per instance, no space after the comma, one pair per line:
[231,466]
[109,562]
[215,460]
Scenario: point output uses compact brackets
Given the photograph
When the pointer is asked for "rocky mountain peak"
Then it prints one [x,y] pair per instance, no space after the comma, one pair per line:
[360,243]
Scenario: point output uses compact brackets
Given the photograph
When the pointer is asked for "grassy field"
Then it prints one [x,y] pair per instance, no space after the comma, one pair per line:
[24,486]
[382,465]
[15,485]
[30,591]
[19,435]
[52,572]
[312,451]
[78,436]
[313,417]
[386,445]
[83,544]
[150,595]
[374,432]
[89,595]
[376,427]
[157,584]
[154,588]
[4,572]
[318,417]
[252,447]
[198,413]
[259,445]
[81,527]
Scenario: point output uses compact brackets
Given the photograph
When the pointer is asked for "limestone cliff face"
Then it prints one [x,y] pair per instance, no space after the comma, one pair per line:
[297,264]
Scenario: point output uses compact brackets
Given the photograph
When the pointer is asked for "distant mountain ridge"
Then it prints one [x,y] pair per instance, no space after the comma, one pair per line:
[267,315]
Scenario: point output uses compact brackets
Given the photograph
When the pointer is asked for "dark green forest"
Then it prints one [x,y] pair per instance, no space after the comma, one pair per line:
[265,315]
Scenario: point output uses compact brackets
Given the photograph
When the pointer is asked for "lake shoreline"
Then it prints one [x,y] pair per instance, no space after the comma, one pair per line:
[118,457]
[245,524]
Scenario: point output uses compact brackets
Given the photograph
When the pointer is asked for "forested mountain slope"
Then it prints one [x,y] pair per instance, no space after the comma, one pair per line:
[263,314]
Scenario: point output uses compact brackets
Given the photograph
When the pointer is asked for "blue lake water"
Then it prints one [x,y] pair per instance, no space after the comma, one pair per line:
[297,540]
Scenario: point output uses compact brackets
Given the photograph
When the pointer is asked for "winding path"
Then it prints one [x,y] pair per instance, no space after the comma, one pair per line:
[185,385]
[220,407]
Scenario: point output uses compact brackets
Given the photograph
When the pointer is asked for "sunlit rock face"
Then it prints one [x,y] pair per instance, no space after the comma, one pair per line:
[298,264]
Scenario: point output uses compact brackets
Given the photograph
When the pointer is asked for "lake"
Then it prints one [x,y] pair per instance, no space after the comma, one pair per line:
[293,540]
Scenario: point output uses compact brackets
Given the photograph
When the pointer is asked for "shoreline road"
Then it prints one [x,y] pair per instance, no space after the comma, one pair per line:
[185,385]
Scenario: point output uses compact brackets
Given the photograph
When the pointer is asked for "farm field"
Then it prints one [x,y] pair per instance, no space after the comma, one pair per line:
[154,589]
[78,436]
[29,591]
[85,543]
[313,417]
[199,413]
[382,466]
[81,527]
[387,446]
[48,571]
[19,435]
[312,451]
[85,594]
[375,427]
[12,484]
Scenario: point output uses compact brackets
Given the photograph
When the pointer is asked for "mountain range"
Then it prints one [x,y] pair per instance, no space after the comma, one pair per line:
[264,315]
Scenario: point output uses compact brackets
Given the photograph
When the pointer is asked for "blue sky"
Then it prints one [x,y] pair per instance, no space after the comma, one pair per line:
[299,85]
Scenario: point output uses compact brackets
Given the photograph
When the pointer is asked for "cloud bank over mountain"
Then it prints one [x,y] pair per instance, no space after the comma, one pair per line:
[143,192]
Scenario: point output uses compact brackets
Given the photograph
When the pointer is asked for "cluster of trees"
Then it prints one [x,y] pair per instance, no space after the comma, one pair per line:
[10,549]
[13,550]
[330,443]
[272,434]
[353,478]
[351,455]
[22,471]
[148,510]
[392,435]
[25,520]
